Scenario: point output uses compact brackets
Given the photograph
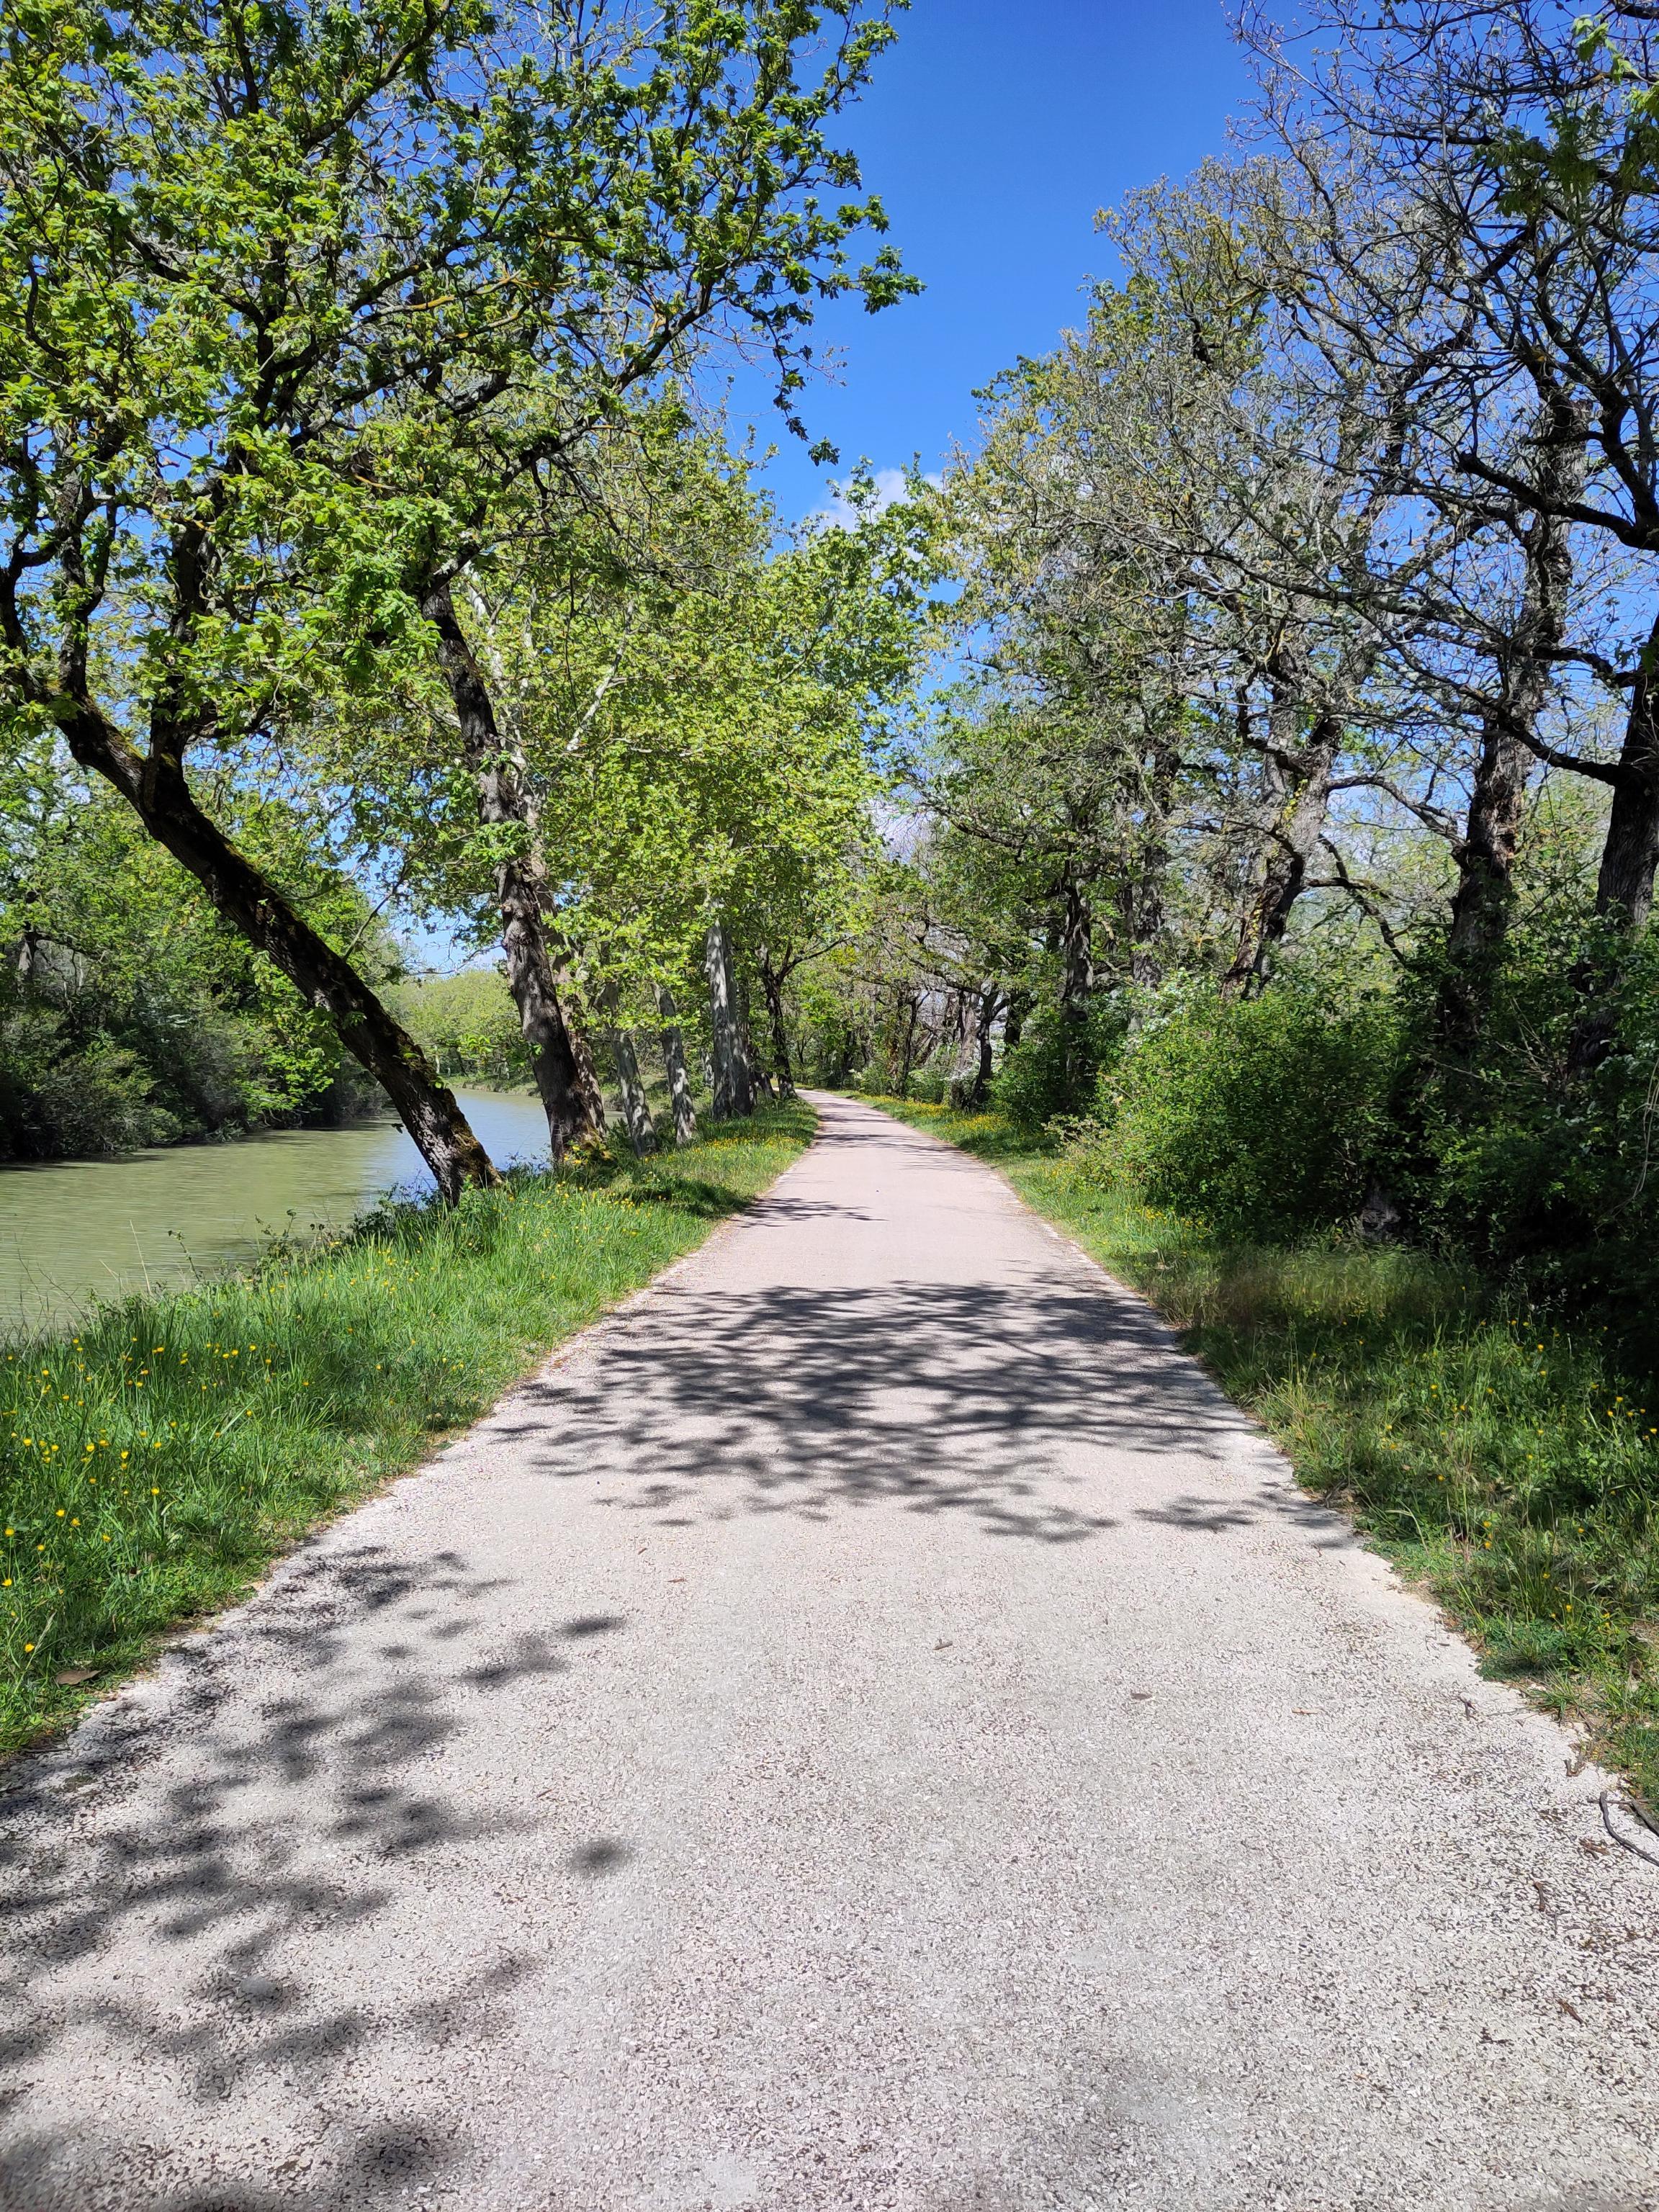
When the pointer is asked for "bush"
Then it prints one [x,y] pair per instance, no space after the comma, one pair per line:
[1526,1155]
[1263,1119]
[64,1094]
[1049,1075]
[131,1013]
[1030,1086]
[1536,1167]
[468,1023]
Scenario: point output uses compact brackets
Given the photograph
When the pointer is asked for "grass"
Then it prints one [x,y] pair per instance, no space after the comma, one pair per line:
[1498,1458]
[155,1462]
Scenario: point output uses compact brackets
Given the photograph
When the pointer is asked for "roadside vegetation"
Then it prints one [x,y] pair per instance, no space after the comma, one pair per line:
[154,1462]
[1499,1456]
[462,569]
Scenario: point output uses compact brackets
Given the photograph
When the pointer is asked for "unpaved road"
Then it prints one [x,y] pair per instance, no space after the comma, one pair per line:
[871,1727]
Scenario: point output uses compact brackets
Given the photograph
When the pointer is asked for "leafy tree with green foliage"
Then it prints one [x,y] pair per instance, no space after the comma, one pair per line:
[468,1023]
[131,1013]
[697,728]
[300,306]
[1522,139]
[1262,1118]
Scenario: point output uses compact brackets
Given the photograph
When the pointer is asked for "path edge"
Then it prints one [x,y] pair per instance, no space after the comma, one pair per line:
[24,1768]
[1570,1738]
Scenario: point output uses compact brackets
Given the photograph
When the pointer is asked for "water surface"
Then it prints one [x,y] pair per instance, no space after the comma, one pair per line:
[75,1231]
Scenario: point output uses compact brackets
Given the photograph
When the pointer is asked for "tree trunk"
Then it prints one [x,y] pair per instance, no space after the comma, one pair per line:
[1144,902]
[753,1059]
[915,1006]
[1486,853]
[989,1000]
[1077,951]
[734,1088]
[587,1076]
[674,1060]
[772,985]
[845,1053]
[1013,1027]
[1296,838]
[1624,888]
[1485,861]
[1077,980]
[1146,927]
[156,789]
[637,1110]
[503,801]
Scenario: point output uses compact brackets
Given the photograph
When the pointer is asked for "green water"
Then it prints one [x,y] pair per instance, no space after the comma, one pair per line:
[73,1232]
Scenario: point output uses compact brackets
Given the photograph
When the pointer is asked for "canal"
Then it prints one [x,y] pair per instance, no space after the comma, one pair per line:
[73,1232]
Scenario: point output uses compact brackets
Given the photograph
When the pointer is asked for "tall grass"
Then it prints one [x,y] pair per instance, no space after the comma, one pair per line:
[155,1461]
[1499,1456]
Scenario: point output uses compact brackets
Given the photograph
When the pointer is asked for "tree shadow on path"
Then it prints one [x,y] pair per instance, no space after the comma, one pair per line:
[169,1925]
[989,1400]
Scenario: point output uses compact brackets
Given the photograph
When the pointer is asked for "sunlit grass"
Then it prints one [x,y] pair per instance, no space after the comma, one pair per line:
[1500,1458]
[153,1463]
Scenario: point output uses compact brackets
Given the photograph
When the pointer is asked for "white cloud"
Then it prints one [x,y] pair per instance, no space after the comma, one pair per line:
[840,513]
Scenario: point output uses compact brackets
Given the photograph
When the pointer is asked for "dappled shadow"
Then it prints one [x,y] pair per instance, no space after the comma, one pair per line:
[317,1734]
[391,2162]
[979,1399]
[785,1206]
[1200,1517]
[267,1894]
[1319,1524]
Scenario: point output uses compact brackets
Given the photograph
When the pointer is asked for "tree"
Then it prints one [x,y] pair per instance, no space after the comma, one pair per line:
[131,1013]
[1527,142]
[698,729]
[293,305]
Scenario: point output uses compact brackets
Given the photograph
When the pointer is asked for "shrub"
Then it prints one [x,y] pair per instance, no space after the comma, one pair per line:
[1535,1166]
[1260,1118]
[1049,1075]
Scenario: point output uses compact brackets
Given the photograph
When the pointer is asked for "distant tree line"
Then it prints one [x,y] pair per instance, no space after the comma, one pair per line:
[129,1013]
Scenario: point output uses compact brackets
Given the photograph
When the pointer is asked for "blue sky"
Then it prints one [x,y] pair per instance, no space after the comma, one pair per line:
[993,131]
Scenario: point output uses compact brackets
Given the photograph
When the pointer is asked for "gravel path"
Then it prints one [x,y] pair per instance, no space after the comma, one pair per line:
[870,1726]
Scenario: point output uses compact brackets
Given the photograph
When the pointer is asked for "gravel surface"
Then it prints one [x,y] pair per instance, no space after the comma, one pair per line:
[869,1726]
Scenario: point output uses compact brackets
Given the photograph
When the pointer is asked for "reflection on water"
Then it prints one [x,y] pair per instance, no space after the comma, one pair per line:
[72,1231]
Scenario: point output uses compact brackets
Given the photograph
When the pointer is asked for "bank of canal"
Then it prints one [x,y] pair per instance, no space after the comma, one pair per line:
[73,1232]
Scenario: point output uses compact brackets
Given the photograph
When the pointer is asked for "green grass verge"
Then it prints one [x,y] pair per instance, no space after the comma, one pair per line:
[155,1462]
[1501,1459]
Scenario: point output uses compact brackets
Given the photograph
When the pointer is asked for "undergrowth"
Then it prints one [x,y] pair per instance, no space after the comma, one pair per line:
[1498,1456]
[154,1462]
